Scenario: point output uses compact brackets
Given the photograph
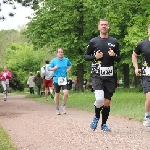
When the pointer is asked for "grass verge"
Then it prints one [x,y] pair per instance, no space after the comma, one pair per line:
[5,143]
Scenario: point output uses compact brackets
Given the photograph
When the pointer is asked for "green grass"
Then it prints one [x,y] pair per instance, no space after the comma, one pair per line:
[129,103]
[5,143]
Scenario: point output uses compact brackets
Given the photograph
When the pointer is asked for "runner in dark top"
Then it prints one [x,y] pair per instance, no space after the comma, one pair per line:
[143,48]
[103,51]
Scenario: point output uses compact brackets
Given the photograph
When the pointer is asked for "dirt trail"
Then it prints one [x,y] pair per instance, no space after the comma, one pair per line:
[35,126]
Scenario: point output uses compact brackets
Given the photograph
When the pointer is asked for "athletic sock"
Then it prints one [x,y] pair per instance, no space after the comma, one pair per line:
[105,114]
[97,111]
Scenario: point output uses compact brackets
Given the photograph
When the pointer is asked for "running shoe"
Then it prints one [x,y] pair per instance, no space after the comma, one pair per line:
[5,99]
[94,123]
[57,112]
[146,121]
[63,109]
[105,128]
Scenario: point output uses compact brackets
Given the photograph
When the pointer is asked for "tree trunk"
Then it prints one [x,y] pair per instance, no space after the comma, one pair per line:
[79,86]
[115,75]
[136,81]
[126,76]
[80,29]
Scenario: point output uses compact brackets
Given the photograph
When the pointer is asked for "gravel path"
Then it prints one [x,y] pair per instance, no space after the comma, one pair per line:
[35,126]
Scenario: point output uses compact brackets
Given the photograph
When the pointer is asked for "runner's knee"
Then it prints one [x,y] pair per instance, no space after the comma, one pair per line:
[99,95]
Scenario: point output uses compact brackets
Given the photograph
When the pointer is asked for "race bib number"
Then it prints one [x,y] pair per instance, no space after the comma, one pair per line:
[62,81]
[145,71]
[106,71]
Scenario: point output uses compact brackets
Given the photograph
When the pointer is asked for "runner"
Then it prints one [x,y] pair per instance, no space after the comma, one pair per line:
[5,76]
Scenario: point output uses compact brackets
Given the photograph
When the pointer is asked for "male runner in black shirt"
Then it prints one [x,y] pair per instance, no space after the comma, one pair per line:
[102,51]
[143,48]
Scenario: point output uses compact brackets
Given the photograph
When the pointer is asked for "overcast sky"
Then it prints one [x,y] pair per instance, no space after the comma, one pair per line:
[18,20]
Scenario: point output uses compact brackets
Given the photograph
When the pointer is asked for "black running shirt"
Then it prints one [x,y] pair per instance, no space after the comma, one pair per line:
[102,44]
[143,48]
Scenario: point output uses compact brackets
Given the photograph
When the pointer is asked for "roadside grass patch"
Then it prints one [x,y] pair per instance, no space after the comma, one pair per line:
[5,142]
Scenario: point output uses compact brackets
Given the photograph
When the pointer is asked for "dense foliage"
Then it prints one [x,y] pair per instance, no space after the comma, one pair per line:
[71,24]
[20,57]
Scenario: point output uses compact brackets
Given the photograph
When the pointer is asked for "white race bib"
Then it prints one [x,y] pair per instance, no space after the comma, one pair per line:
[62,81]
[106,71]
[146,71]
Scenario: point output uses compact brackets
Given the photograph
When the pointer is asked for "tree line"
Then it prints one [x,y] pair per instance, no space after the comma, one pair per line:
[71,24]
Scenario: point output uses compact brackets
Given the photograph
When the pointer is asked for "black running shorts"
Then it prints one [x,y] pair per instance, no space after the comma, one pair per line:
[107,84]
[57,87]
[145,81]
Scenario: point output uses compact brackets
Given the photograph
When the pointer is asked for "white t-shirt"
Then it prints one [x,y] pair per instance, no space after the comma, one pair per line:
[46,73]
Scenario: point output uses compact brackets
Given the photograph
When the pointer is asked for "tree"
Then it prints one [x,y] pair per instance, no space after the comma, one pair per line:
[71,24]
[7,37]
[64,24]
[22,59]
[15,83]
[136,19]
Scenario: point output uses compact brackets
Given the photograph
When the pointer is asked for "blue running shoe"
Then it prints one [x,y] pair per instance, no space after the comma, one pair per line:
[105,128]
[94,123]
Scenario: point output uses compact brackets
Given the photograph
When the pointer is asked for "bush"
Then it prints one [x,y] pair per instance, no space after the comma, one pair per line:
[15,83]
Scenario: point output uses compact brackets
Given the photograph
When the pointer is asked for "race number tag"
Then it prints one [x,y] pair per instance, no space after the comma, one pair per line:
[106,71]
[62,81]
[145,71]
